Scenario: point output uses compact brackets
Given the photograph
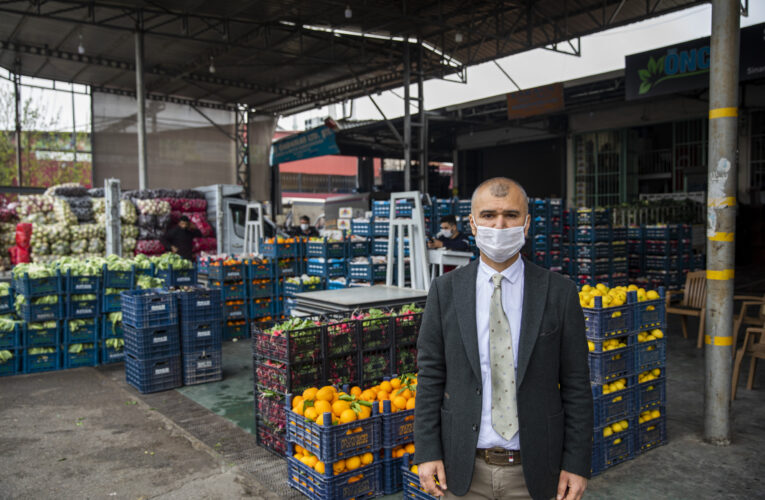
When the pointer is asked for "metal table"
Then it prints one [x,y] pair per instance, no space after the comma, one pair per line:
[439,258]
[349,299]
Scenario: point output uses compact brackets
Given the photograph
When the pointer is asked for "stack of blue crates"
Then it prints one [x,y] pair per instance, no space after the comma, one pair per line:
[81,327]
[10,340]
[595,251]
[201,321]
[627,365]
[544,245]
[41,331]
[112,342]
[152,340]
[661,255]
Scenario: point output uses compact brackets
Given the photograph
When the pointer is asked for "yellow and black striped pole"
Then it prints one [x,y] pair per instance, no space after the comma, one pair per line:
[721,214]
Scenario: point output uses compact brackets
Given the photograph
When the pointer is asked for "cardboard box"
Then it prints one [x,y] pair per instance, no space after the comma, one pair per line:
[344,223]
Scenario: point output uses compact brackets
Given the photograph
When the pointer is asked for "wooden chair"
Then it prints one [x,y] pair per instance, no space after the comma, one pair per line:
[693,303]
[754,345]
[752,304]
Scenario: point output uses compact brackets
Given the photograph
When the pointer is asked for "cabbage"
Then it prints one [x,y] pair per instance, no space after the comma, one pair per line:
[79,246]
[5,288]
[128,245]
[142,261]
[115,319]
[96,245]
[148,282]
[127,231]
[153,207]
[33,270]
[83,296]
[63,212]
[78,348]
[75,325]
[117,263]
[171,261]
[5,356]
[42,325]
[7,325]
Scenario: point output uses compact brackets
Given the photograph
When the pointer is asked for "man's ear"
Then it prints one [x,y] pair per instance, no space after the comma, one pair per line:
[472,225]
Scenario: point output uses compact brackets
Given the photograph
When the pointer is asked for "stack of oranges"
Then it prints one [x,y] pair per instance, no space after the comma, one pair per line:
[340,467]
[357,404]
[400,451]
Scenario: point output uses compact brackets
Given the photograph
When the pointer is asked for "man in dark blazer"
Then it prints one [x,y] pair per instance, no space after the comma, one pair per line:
[548,454]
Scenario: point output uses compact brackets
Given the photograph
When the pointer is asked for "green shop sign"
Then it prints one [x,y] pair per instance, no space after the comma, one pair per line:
[685,66]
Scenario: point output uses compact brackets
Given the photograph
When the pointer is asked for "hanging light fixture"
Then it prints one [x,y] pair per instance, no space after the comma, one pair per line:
[80,46]
[348,12]
[458,37]
[212,65]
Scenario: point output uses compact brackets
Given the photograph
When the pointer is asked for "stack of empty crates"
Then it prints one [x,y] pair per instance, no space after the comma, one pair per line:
[152,340]
[627,372]
[667,254]
[544,244]
[201,321]
[596,251]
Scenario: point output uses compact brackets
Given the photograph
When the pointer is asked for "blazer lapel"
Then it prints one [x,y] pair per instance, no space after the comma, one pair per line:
[464,299]
[534,298]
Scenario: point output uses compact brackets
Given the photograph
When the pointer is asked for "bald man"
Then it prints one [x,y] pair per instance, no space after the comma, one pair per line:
[504,405]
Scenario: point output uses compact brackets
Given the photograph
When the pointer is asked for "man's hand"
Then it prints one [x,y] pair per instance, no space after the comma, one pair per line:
[173,248]
[426,472]
[437,244]
[571,486]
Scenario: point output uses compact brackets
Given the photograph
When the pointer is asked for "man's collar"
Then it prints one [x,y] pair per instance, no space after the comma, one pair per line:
[511,274]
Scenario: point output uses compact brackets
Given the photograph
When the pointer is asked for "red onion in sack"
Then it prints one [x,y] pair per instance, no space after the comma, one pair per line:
[196,205]
[204,245]
[200,221]
[149,247]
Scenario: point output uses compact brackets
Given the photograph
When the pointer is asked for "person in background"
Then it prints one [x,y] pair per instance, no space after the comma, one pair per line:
[449,237]
[306,230]
[180,238]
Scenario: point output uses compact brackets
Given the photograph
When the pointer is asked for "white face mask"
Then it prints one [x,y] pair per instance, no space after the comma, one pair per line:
[500,245]
[447,233]
[304,227]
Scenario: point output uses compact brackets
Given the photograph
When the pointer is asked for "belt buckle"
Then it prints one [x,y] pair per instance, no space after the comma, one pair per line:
[497,456]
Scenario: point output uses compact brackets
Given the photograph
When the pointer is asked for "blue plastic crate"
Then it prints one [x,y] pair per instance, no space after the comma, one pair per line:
[619,266]
[286,250]
[41,337]
[235,331]
[235,272]
[38,287]
[329,487]
[636,247]
[596,267]
[121,279]
[325,249]
[380,227]
[656,247]
[361,228]
[11,339]
[149,308]
[604,322]
[178,277]
[336,285]
[614,406]
[258,270]
[233,310]
[330,268]
[664,263]
[81,284]
[87,333]
[201,335]
[153,375]
[229,290]
[651,394]
[111,303]
[13,365]
[200,304]
[152,342]
[6,303]
[290,289]
[650,314]
[367,271]
[612,450]
[109,329]
[81,308]
[391,472]
[444,207]
[111,354]
[32,313]
[259,308]
[142,271]
[539,207]
[404,208]
[260,289]
[200,367]
[667,232]
[556,207]
[538,225]
[381,208]
[462,208]
[650,355]
[335,442]
[612,365]
[42,362]
[651,434]
[619,249]
[411,483]
[593,217]
[379,246]
[357,248]
[87,357]
[619,233]
[287,267]
[591,250]
[398,427]
[592,234]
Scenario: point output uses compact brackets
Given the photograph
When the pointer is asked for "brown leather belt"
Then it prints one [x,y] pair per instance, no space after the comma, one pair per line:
[499,456]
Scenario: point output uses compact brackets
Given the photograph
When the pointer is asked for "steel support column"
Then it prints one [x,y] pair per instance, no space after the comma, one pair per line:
[141,111]
[721,213]
[407,121]
[17,100]
[242,148]
[423,123]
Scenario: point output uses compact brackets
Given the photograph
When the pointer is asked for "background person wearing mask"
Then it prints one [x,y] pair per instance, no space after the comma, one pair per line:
[180,239]
[305,230]
[504,405]
[449,237]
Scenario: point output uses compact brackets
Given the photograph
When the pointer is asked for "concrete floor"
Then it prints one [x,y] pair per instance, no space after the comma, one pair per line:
[85,434]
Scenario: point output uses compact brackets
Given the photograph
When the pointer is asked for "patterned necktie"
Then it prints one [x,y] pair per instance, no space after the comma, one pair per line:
[504,412]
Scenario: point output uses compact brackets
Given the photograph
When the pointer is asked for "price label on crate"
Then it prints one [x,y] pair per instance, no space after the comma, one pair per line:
[203,333]
[204,364]
[159,340]
[160,307]
[162,371]
[203,303]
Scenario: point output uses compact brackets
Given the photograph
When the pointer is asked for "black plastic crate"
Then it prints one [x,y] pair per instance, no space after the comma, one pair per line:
[152,342]
[375,333]
[611,365]
[149,308]
[272,440]
[651,433]
[201,335]
[344,486]
[153,375]
[286,343]
[650,394]
[270,410]
[200,367]
[376,366]
[406,358]
[341,370]
[406,327]
[287,378]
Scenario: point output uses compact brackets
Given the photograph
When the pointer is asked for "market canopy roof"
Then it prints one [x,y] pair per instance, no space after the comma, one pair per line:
[291,55]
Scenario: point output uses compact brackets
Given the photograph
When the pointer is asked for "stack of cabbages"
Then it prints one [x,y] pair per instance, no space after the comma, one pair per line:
[128,220]
[8,219]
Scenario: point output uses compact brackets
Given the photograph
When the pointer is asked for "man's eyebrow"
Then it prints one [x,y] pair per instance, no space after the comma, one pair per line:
[507,212]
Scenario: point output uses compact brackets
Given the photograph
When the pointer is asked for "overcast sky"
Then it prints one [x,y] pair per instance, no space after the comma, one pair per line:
[601,52]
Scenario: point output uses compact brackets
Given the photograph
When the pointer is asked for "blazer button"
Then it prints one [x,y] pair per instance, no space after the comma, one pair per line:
[478,391]
[475,428]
